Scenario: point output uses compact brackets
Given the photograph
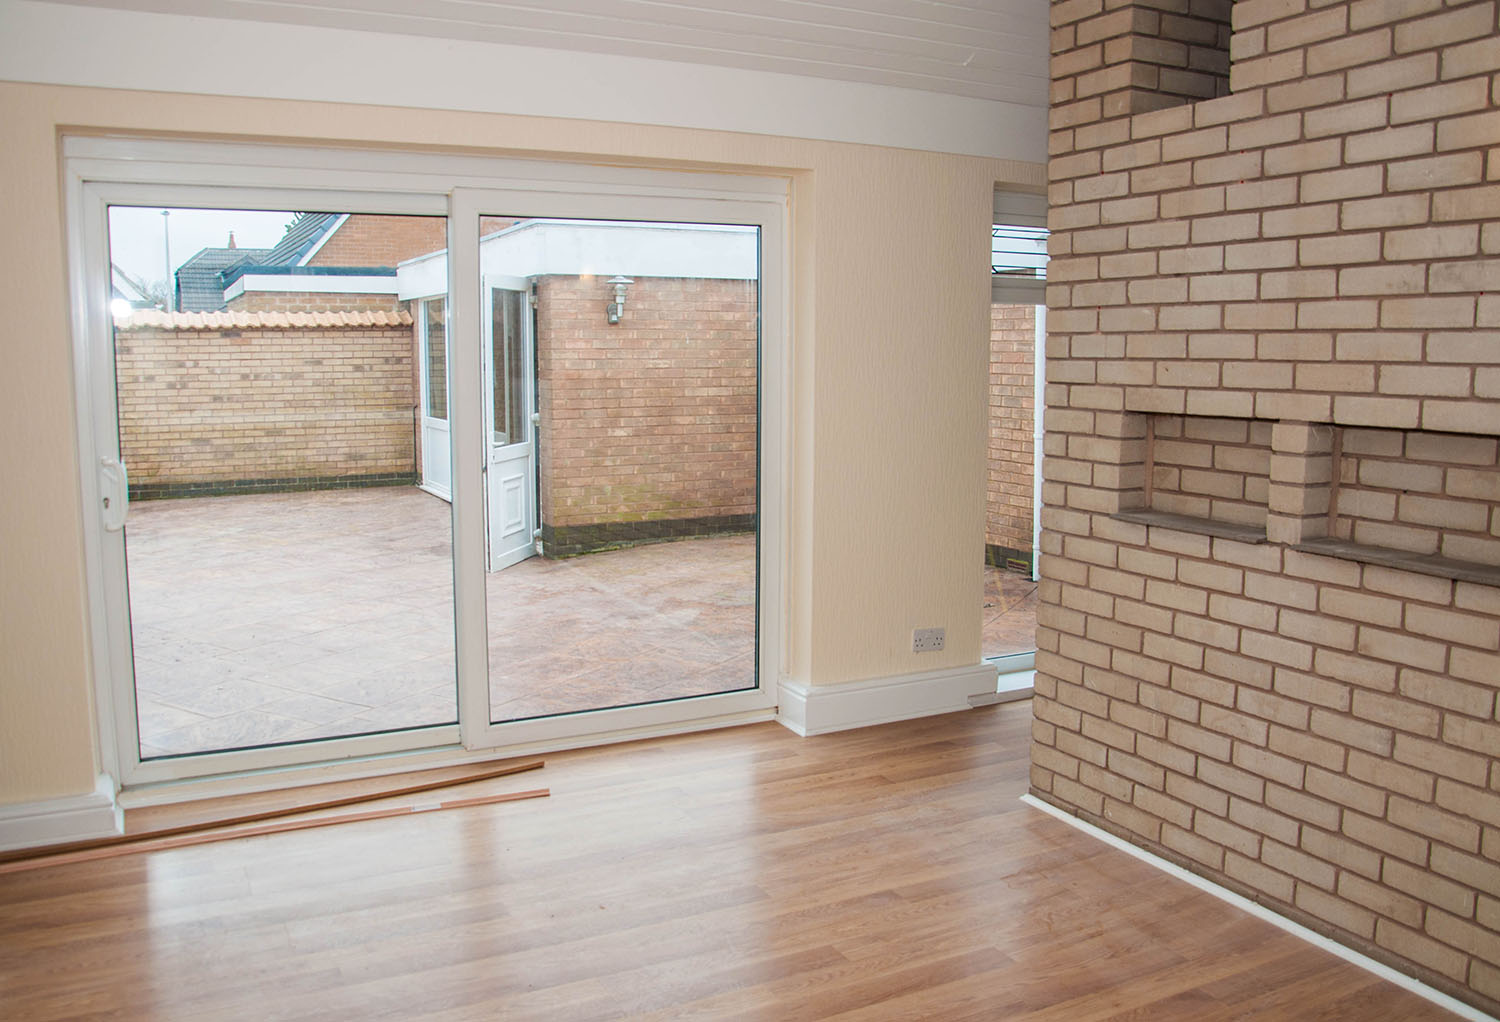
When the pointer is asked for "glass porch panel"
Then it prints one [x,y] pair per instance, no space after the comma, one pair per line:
[510,395]
[645,473]
[287,580]
[1008,621]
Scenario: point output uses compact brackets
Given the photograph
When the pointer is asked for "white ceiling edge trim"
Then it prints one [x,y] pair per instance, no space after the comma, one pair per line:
[60,44]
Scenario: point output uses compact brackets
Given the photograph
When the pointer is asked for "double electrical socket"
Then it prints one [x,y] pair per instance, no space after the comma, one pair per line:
[927,640]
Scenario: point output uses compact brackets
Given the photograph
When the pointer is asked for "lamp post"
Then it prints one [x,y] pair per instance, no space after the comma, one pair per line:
[166,246]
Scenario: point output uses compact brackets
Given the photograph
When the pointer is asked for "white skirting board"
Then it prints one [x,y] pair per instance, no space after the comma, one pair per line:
[59,820]
[819,709]
[1385,972]
[1012,685]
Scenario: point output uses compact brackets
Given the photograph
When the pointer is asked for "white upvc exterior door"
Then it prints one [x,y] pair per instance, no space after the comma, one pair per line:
[510,462]
[437,448]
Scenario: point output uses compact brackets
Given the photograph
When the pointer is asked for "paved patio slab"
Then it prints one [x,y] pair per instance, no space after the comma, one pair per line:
[285,617]
[272,618]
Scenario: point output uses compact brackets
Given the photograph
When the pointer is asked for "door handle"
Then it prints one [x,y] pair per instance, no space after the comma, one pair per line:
[114,493]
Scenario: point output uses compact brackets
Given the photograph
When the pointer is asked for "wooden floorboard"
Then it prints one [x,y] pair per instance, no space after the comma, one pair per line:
[888,873]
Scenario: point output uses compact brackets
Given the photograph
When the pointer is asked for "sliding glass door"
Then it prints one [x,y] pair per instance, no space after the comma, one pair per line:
[621,457]
[505,492]
[286,580]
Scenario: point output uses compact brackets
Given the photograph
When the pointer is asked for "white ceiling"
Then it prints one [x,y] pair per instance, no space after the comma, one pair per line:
[982,49]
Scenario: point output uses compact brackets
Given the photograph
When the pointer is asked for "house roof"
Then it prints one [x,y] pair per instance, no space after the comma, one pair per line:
[125,287]
[202,279]
[303,233]
[200,288]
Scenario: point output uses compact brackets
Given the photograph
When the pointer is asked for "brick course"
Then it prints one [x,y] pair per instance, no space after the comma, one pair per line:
[1308,266]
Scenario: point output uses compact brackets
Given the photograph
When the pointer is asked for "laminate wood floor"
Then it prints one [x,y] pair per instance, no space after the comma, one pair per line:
[887,873]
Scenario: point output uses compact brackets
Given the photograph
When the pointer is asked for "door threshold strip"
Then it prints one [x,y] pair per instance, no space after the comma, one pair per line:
[49,851]
[148,843]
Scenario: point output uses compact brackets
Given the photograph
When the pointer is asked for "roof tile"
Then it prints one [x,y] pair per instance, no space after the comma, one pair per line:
[153,319]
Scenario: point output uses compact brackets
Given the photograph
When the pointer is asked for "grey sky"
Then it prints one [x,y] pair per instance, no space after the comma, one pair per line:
[136,243]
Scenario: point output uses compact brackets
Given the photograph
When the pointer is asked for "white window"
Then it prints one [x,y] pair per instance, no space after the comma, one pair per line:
[470,193]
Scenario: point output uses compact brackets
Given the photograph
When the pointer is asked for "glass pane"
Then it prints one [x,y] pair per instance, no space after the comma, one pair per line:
[1010,594]
[1018,251]
[511,373]
[436,334]
[288,580]
[622,536]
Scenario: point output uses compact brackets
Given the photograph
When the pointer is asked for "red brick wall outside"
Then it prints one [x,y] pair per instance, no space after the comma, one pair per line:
[1012,429]
[369,239]
[1288,691]
[217,406]
[302,301]
[651,419]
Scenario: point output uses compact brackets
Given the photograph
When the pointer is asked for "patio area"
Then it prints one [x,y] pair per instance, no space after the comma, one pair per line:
[1009,623]
[284,617]
[292,616]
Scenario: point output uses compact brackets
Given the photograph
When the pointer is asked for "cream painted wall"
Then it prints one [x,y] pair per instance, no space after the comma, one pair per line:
[890,312]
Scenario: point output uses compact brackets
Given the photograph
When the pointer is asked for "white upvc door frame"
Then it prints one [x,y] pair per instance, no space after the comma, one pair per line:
[117,730]
[768,213]
[101,171]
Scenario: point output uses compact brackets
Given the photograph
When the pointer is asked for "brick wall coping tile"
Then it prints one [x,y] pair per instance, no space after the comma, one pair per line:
[152,319]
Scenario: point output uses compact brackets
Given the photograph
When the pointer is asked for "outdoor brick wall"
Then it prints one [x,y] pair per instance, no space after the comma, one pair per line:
[648,427]
[295,301]
[1269,632]
[1012,432]
[369,239]
[217,402]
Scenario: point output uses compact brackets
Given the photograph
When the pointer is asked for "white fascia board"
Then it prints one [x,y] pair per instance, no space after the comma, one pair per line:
[297,284]
[598,248]
[65,44]
[423,277]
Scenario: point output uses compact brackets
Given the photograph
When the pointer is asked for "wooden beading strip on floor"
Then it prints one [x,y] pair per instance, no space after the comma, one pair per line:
[153,843]
[50,851]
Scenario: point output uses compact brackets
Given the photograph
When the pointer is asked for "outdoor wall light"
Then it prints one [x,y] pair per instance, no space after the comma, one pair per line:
[615,309]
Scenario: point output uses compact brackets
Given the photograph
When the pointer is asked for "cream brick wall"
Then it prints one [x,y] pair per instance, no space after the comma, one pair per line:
[1273,310]
[210,405]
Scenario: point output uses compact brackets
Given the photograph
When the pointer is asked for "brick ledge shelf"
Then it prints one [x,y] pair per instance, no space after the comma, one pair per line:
[1194,524]
[1404,560]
